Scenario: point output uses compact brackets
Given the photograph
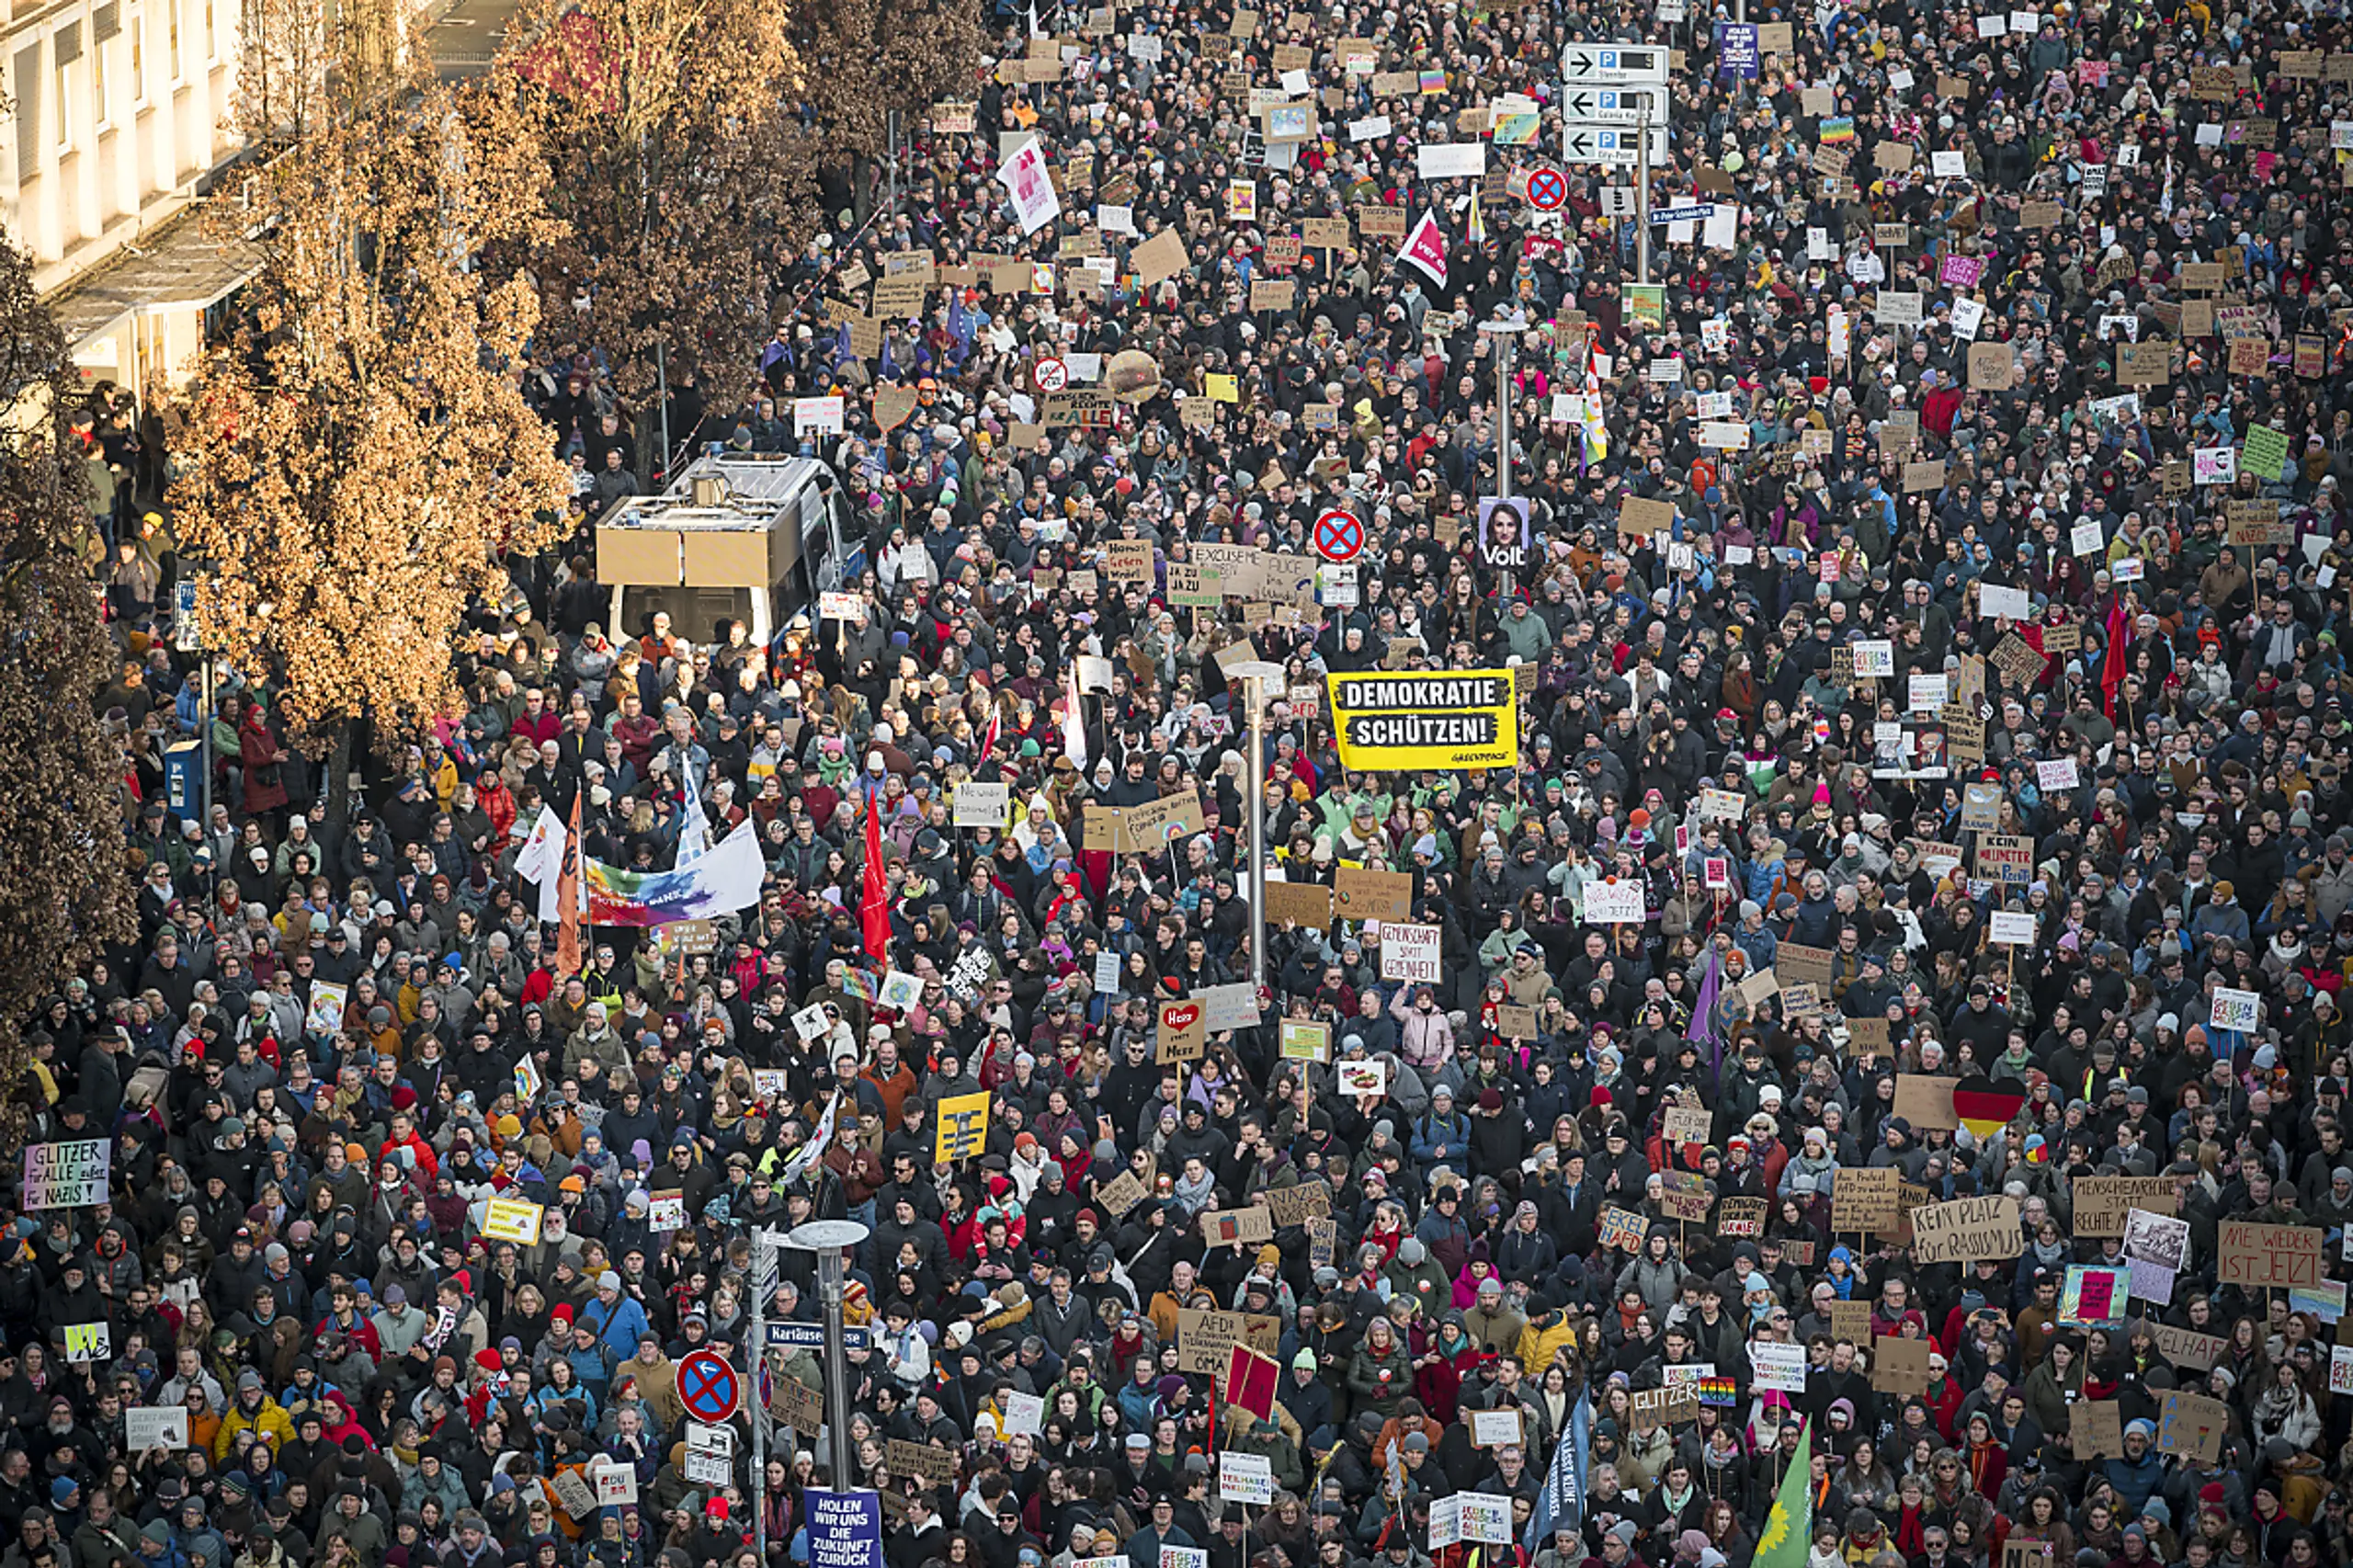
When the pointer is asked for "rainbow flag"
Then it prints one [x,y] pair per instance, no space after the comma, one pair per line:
[722,882]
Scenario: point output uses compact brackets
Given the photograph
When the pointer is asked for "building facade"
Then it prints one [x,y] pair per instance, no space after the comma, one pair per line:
[121,116]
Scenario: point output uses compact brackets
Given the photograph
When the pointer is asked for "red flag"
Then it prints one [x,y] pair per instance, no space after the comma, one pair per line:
[1426,249]
[572,896]
[1250,1381]
[875,909]
[2111,669]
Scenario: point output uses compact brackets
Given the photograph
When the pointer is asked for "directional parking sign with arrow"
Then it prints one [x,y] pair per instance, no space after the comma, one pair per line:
[1612,105]
[1611,65]
[1611,145]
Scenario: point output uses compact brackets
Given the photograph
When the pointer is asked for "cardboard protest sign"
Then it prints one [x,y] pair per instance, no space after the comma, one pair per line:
[1361,894]
[1864,1198]
[2193,1425]
[1899,1365]
[2267,1256]
[1296,1205]
[1301,904]
[2102,1202]
[1924,1101]
[1183,1033]
[1966,1230]
[2096,1426]
[1237,1227]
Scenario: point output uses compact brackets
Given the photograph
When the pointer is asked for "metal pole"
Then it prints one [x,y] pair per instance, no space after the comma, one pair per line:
[1258,679]
[204,752]
[662,370]
[1642,194]
[1503,399]
[829,1290]
[1255,771]
[758,1360]
[827,1238]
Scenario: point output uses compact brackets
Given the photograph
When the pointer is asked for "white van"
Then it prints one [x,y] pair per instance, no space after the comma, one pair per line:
[737,536]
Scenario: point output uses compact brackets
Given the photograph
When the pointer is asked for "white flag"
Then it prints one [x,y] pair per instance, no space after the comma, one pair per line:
[1031,187]
[1074,719]
[541,861]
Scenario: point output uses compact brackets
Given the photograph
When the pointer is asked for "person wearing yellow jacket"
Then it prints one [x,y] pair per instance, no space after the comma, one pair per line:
[253,1410]
[1541,1340]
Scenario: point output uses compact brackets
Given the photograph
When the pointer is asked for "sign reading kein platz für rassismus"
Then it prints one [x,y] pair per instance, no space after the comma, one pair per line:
[1430,719]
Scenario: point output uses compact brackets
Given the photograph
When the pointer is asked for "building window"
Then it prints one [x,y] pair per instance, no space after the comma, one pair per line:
[138,60]
[172,22]
[100,114]
[60,88]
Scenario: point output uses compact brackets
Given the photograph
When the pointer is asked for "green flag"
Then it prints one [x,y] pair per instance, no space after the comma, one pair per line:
[1789,1528]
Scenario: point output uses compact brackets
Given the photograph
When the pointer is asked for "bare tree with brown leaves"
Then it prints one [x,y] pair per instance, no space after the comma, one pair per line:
[353,471]
[63,875]
[678,167]
[866,58]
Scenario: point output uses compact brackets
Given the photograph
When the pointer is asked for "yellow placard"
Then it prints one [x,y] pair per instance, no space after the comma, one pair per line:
[1438,718]
[513,1219]
[1222,389]
[963,1127]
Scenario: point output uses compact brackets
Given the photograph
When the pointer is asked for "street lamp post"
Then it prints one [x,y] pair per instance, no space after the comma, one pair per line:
[827,1239]
[1260,678]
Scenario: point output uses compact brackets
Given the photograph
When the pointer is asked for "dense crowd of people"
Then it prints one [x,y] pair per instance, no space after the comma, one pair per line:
[1931,605]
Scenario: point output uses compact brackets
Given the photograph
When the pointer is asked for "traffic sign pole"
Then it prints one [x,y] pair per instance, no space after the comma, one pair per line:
[1642,195]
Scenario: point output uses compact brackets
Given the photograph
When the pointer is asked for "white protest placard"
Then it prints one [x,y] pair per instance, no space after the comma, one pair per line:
[2239,1010]
[1184,1557]
[900,991]
[1451,160]
[1365,1077]
[1245,1478]
[88,1341]
[1410,953]
[1898,307]
[817,415]
[980,804]
[1615,903]
[1968,315]
[615,1482]
[2011,604]
[2087,538]
[810,1023]
[2056,773]
[1926,694]
[2011,928]
[850,607]
[1485,1518]
[665,1212]
[1780,1367]
[1949,165]
[2340,1368]
[1025,1415]
[67,1176]
[1875,656]
[145,1426]
[1723,435]
[1372,128]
